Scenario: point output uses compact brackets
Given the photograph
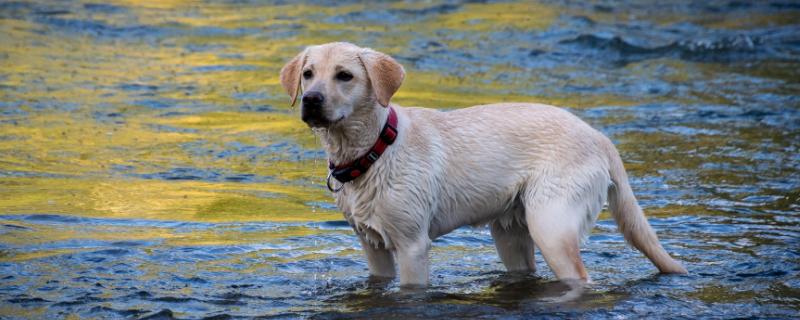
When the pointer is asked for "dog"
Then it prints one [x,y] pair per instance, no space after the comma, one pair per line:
[537,175]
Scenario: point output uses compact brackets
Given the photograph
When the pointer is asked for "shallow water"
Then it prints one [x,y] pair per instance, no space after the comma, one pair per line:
[150,165]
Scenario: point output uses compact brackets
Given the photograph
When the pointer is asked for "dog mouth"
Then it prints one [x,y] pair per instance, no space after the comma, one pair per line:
[321,121]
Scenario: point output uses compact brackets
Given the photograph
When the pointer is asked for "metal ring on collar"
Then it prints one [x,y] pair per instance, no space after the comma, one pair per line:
[330,185]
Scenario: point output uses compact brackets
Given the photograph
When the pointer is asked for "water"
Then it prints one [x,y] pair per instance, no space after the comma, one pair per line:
[150,165]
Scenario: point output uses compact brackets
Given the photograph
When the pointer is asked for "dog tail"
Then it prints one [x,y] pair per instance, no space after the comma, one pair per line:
[631,220]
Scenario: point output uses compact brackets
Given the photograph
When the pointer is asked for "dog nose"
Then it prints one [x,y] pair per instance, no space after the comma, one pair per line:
[313,99]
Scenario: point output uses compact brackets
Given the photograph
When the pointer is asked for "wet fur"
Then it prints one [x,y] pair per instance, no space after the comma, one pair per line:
[536,173]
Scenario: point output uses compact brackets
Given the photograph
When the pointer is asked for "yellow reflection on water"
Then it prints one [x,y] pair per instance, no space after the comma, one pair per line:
[483,17]
[164,200]
[87,132]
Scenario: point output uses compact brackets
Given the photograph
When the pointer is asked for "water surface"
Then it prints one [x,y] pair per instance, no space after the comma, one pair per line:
[150,165]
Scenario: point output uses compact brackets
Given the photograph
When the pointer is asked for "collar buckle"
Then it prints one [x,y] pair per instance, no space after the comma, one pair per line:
[372,156]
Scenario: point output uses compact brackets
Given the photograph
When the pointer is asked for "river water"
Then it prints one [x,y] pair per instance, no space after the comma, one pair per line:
[150,166]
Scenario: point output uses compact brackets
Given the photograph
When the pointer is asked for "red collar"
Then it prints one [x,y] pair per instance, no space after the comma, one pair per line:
[347,172]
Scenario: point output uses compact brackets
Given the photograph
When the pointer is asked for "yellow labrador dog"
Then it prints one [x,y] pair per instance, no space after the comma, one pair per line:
[536,174]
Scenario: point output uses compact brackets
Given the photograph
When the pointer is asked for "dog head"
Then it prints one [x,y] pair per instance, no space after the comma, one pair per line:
[335,80]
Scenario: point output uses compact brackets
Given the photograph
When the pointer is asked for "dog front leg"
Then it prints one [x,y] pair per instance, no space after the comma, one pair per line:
[379,260]
[412,258]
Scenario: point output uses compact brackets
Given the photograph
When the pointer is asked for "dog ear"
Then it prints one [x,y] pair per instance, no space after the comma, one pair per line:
[384,73]
[290,75]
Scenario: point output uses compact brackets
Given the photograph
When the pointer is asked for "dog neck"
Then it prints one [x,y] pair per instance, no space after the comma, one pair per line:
[352,138]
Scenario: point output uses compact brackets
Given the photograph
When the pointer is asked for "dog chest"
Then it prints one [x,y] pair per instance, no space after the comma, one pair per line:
[363,216]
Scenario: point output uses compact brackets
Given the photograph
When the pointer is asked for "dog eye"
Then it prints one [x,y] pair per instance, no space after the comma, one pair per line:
[344,76]
[308,74]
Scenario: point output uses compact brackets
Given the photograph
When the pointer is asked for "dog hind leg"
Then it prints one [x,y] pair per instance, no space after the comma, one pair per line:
[557,233]
[514,246]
